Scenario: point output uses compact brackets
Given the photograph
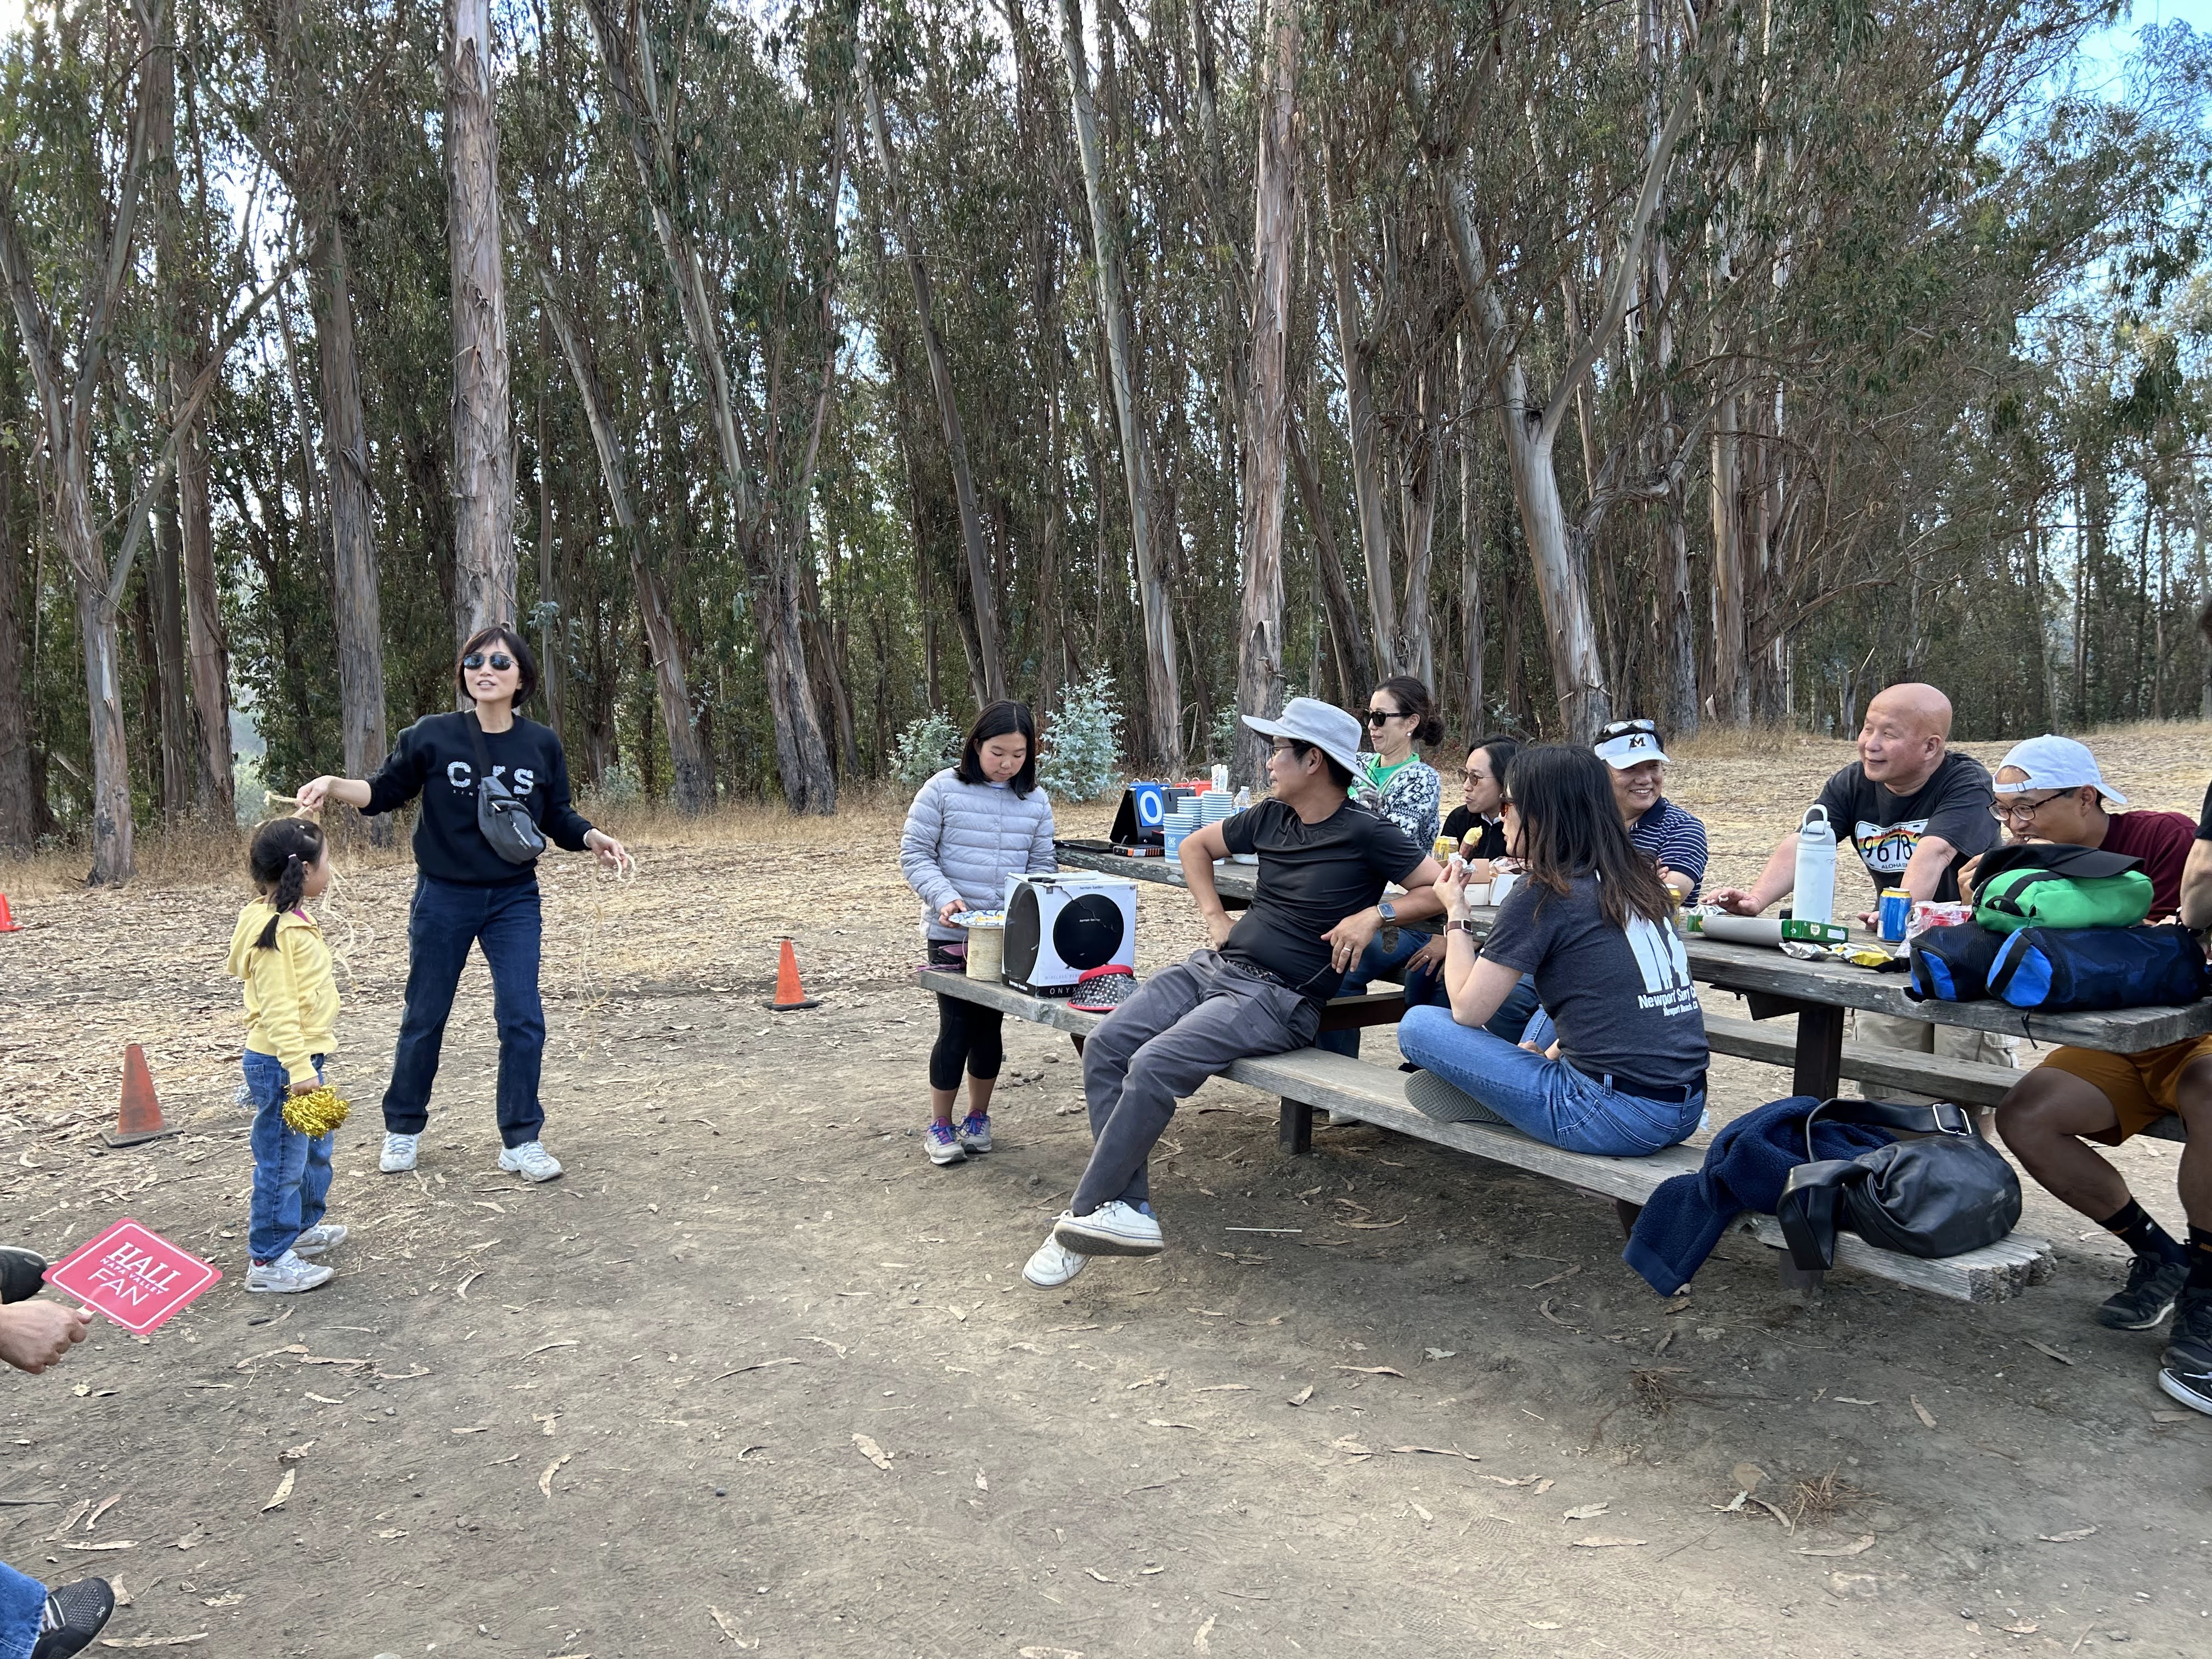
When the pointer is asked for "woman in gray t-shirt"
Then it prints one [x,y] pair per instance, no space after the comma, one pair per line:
[1592,924]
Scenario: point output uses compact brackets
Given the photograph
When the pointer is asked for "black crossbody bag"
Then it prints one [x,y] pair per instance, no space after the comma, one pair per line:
[1940,1195]
[501,816]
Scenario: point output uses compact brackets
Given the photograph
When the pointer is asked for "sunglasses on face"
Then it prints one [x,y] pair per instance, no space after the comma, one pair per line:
[1383,716]
[498,659]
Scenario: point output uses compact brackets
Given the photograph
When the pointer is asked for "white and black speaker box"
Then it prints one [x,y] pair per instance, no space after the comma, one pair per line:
[1059,927]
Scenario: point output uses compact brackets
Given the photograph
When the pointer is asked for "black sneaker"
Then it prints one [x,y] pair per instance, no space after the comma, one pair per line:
[75,1614]
[2192,1327]
[2187,1376]
[2153,1284]
[22,1273]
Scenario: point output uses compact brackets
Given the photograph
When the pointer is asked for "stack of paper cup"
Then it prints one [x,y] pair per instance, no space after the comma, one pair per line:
[1178,824]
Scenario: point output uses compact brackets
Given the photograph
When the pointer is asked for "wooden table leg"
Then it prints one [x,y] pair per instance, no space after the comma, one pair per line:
[1297,1127]
[1820,1057]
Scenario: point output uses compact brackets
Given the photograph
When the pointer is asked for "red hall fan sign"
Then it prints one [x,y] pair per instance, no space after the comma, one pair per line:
[133,1275]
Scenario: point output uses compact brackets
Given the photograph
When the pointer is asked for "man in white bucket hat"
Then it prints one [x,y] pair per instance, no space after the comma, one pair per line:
[1258,989]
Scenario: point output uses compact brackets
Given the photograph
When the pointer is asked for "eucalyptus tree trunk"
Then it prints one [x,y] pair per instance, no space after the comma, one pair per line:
[1162,698]
[357,607]
[1268,404]
[1349,638]
[19,809]
[1470,543]
[1731,682]
[694,786]
[1354,352]
[768,544]
[981,584]
[484,436]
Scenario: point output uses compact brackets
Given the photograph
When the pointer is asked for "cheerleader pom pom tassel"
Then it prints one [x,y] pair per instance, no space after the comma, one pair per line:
[315,1113]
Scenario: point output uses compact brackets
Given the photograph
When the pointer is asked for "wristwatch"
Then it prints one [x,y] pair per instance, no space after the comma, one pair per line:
[1387,937]
[1461,925]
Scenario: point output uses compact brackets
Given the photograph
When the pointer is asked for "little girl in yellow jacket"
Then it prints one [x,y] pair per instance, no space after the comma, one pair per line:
[291,1014]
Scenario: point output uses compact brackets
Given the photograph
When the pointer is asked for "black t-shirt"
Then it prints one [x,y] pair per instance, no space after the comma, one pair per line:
[1623,1000]
[1884,826]
[2204,818]
[1489,833]
[437,759]
[1312,875]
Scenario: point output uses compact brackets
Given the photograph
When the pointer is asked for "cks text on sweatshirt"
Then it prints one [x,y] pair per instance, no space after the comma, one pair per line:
[437,759]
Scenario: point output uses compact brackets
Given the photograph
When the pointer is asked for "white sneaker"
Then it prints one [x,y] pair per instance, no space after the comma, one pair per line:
[1054,1264]
[286,1274]
[531,1161]
[1115,1229]
[323,1236]
[398,1153]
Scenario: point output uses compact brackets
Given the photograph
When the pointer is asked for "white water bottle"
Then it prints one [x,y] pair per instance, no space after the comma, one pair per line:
[1815,885]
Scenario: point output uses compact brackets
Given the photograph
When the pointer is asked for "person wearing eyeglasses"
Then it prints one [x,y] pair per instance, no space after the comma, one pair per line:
[466,893]
[2050,789]
[1477,825]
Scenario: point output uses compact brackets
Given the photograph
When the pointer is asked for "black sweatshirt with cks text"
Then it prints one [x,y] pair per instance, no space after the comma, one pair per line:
[437,759]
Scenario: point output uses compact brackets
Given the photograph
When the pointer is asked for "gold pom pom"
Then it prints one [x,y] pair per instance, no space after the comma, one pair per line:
[315,1113]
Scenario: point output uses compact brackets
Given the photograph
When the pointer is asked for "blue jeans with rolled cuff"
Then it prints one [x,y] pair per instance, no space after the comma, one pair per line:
[447,918]
[291,1172]
[23,1604]
[1546,1099]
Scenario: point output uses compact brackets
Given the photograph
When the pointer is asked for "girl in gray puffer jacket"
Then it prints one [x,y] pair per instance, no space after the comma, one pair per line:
[971,826]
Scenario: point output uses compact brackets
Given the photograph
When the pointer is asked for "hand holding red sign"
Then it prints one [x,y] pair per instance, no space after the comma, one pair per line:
[134,1276]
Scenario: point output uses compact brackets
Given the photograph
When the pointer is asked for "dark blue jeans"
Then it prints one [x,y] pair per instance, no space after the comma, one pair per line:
[23,1602]
[447,918]
[291,1173]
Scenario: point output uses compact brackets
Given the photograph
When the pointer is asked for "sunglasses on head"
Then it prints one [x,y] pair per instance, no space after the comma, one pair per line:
[498,659]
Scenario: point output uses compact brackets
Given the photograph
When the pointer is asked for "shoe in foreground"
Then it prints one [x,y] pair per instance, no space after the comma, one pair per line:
[287,1275]
[531,1161]
[2153,1287]
[323,1236]
[74,1614]
[1053,1264]
[1113,1229]
[973,1133]
[22,1273]
[942,1142]
[2186,1374]
[398,1153]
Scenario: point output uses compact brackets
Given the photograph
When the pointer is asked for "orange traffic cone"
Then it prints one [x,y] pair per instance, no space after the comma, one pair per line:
[8,922]
[789,996]
[141,1117]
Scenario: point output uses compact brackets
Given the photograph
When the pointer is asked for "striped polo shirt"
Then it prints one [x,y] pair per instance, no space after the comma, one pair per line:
[1676,840]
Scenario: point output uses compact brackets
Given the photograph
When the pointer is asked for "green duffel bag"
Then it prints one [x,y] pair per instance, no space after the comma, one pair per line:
[2055,885]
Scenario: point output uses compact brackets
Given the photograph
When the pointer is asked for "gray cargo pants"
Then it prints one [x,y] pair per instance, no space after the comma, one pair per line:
[1184,1025]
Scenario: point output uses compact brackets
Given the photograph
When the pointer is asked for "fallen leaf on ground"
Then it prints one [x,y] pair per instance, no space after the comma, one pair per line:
[2064,1537]
[1162,1423]
[757,1365]
[1788,1525]
[152,1641]
[1545,1309]
[2023,1628]
[1351,1447]
[957,1312]
[1049,1653]
[118,1544]
[1371,1370]
[838,1348]
[869,1450]
[109,1503]
[1224,1387]
[461,1290]
[1418,1511]
[548,1347]
[1927,1418]
[1858,1546]
[545,1480]
[1588,1511]
[1442,1353]
[1605,1542]
[1748,1477]
[1508,1481]
[2174,1417]
[1439,1451]
[1301,1396]
[1553,1279]
[1376,1226]
[1543,1486]
[290,1455]
[1100,1577]
[1845,1400]
[1197,1640]
[1153,1381]
[2044,1349]
[284,1491]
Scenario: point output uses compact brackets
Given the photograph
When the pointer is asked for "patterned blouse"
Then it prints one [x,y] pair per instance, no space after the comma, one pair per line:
[1412,799]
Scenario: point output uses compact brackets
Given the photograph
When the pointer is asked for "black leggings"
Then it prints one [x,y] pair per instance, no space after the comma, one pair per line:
[967,1036]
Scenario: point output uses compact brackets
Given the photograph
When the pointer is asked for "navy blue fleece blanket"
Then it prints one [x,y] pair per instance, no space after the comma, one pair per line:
[1745,1169]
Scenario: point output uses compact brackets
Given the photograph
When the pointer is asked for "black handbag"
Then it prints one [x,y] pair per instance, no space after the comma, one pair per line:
[501,814]
[1940,1195]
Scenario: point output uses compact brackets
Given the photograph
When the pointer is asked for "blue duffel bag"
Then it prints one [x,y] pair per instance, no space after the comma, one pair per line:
[2063,969]
[1952,964]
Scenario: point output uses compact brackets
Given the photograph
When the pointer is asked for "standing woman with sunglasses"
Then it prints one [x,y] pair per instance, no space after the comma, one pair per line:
[468,891]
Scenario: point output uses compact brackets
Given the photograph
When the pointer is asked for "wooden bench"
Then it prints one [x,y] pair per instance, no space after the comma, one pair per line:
[1968,1082]
[1310,1080]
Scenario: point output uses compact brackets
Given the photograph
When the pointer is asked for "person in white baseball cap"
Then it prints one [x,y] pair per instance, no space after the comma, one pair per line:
[1636,759]
[2051,788]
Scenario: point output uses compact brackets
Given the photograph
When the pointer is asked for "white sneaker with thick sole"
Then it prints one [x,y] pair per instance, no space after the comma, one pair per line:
[1115,1229]
[398,1153]
[286,1274]
[1054,1264]
[323,1236]
[531,1161]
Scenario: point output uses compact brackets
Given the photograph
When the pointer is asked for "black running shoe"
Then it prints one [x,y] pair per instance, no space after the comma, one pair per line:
[75,1614]
[2153,1284]
[2187,1376]
[22,1273]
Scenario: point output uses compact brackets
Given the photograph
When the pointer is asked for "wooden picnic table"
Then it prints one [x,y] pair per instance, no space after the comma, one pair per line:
[1773,984]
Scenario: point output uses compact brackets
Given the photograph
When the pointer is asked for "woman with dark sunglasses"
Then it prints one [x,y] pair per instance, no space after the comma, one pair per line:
[468,892]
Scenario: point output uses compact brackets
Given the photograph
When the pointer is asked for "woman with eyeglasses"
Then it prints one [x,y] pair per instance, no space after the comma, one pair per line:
[1590,920]
[1406,790]
[467,892]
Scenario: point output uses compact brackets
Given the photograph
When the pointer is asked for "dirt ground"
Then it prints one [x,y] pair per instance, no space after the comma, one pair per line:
[755,1375]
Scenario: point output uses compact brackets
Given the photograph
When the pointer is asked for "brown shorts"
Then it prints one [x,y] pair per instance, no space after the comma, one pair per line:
[2140,1086]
